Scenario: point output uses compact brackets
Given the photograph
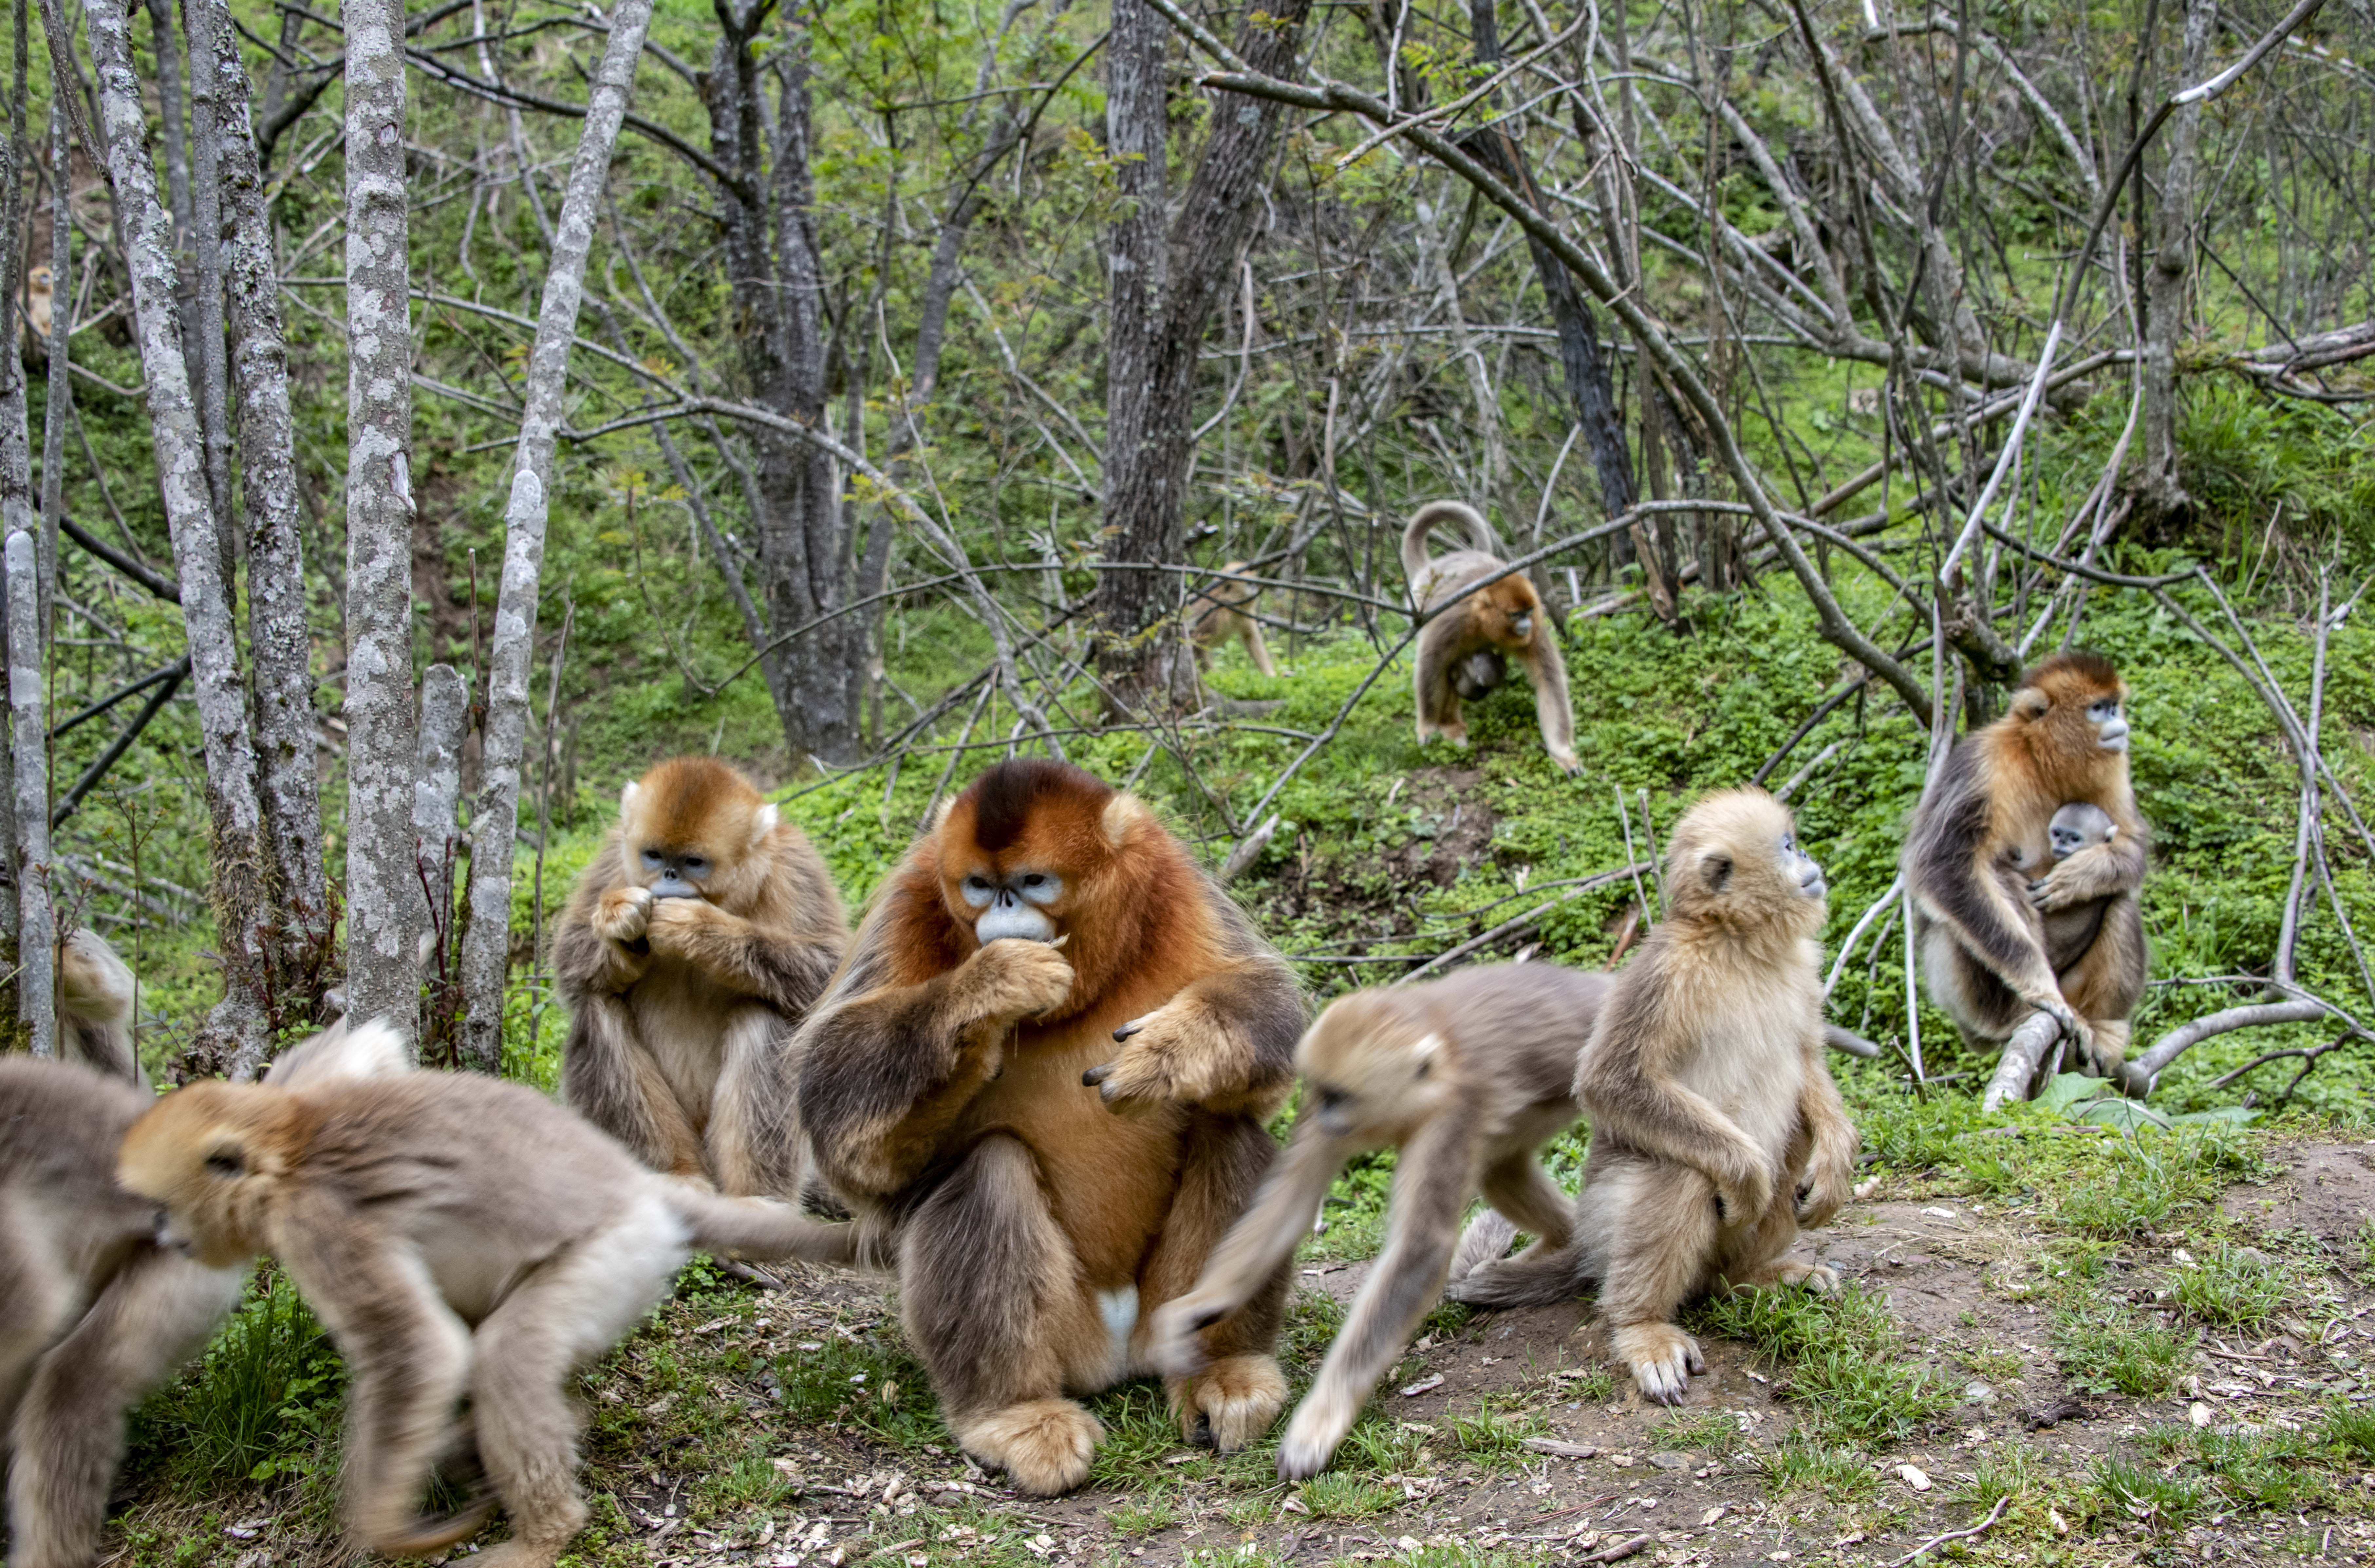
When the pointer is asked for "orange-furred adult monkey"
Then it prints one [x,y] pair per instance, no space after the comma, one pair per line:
[1041,1192]
[1979,921]
[1225,614]
[1460,651]
[691,947]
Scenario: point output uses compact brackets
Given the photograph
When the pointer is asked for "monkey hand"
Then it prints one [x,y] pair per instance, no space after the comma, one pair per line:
[1744,1192]
[1823,1191]
[1175,1346]
[1168,1055]
[1012,979]
[623,914]
[679,927]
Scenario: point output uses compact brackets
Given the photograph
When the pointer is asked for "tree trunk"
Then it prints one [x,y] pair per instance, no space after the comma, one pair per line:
[206,245]
[36,920]
[279,643]
[2165,286]
[234,1036]
[436,842]
[1160,299]
[486,947]
[60,402]
[173,117]
[382,886]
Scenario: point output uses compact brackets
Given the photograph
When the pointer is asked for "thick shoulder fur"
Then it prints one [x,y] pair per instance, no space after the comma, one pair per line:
[1422,522]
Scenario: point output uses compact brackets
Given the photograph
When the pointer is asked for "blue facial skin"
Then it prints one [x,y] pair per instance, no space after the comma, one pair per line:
[680,876]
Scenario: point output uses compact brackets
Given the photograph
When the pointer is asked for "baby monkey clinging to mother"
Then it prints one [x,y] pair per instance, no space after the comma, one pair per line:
[1716,1130]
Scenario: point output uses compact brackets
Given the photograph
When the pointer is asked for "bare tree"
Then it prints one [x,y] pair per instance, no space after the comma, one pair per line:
[485,947]
[37,929]
[383,882]
[2166,287]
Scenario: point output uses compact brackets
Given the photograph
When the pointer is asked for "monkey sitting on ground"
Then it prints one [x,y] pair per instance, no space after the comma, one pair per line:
[1979,921]
[1461,651]
[1716,1130]
[96,997]
[456,1235]
[93,1313]
[1225,614]
[1037,1189]
[1469,1076]
[690,949]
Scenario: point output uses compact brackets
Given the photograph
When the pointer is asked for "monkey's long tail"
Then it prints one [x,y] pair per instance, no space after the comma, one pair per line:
[762,1229]
[1486,1240]
[1422,522]
[1481,1277]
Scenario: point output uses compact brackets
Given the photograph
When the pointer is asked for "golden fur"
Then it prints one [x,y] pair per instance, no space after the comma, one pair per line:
[1222,614]
[1473,630]
[690,951]
[1468,1077]
[96,997]
[1717,1131]
[946,1083]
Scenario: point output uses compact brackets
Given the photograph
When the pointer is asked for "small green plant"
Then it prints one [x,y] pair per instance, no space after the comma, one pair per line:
[1382,1447]
[2106,1348]
[1496,1434]
[2161,1500]
[1798,1463]
[2000,1470]
[1853,1376]
[1339,1495]
[2233,1288]
[2268,1470]
[1708,1431]
[1142,1515]
[265,1400]
[1991,1362]
[1594,1385]
[2351,1427]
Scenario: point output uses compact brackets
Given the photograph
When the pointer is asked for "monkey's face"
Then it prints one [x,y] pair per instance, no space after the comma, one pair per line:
[2074,708]
[212,1157]
[2078,825]
[1508,611]
[692,829]
[1737,859]
[1371,1072]
[1028,849]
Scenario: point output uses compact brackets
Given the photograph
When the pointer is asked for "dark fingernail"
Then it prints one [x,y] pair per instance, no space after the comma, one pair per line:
[1095,1076]
[1126,1030]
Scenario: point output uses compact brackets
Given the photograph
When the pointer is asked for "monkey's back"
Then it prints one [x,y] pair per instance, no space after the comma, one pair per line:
[60,1126]
[1500,1011]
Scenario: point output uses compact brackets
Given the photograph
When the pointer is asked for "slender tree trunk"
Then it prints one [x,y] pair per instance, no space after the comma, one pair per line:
[36,920]
[280,646]
[59,405]
[1151,384]
[382,886]
[486,946]
[206,245]
[2165,285]
[173,111]
[235,1034]
[436,838]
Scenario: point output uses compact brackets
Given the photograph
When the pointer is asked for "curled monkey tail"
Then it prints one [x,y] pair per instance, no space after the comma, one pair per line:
[761,1228]
[1486,1240]
[1481,1277]
[1422,524]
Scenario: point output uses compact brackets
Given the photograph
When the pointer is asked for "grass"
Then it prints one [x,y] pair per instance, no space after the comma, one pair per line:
[2351,1429]
[1852,1374]
[2159,1499]
[1497,1432]
[1144,1514]
[1802,1464]
[2000,1470]
[1337,1494]
[1715,1432]
[263,1403]
[2106,1347]
[2233,1288]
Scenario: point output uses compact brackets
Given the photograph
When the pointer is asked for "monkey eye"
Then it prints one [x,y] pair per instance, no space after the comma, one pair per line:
[652,859]
[1333,1099]
[695,864]
[1035,880]
[977,884]
[226,1162]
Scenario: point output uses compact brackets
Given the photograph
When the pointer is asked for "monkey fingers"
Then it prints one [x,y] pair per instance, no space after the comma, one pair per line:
[1234,1399]
[1662,1358]
[1161,1059]
[623,914]
[1013,979]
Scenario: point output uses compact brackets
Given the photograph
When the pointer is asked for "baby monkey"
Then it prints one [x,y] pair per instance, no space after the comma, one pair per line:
[1468,1077]
[2069,932]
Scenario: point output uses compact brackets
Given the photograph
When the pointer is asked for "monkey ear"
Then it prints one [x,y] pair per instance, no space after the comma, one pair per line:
[2029,704]
[1718,871]
[1121,813]
[763,822]
[941,812]
[627,796]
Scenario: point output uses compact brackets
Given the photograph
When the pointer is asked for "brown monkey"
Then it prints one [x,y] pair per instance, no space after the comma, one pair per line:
[1223,614]
[1978,921]
[1469,1076]
[456,1235]
[1716,1130]
[40,305]
[93,1313]
[1037,1190]
[95,996]
[1461,651]
[691,949]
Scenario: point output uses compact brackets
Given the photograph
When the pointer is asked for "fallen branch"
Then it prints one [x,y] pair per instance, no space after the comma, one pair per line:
[1989,1523]
[2017,1067]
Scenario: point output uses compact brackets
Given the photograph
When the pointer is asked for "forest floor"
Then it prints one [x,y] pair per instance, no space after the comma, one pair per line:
[2190,1392]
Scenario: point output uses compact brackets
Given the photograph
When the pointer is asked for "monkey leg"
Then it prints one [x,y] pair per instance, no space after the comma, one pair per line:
[575,1306]
[1553,710]
[1750,1257]
[1256,649]
[751,1136]
[1438,704]
[1238,1391]
[1523,1191]
[37,1304]
[992,1299]
[1432,1179]
[1663,1236]
[156,1314]
[609,1078]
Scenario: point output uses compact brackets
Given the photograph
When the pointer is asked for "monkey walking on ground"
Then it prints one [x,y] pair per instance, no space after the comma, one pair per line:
[1462,650]
[1716,1130]
[1979,923]
[1037,1188]
[1225,613]
[456,1235]
[93,1313]
[1469,1076]
[690,949]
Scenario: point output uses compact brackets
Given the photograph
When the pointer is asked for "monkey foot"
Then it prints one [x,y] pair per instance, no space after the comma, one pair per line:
[1237,1397]
[1819,1278]
[1043,1445]
[518,1553]
[1320,1423]
[1662,1358]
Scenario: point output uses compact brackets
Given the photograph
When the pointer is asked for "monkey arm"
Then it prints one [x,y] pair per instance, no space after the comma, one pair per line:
[781,968]
[1546,668]
[1826,1178]
[1947,865]
[1224,1040]
[1249,1257]
[886,1068]
[586,962]
[2096,872]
